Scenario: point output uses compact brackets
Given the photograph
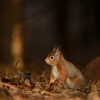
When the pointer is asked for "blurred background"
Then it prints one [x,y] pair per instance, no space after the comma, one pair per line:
[29,29]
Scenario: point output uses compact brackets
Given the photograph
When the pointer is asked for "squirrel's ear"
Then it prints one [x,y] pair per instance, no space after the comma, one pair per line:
[54,49]
[57,53]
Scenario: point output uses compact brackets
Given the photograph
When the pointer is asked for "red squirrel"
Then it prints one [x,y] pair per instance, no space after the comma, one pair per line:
[67,74]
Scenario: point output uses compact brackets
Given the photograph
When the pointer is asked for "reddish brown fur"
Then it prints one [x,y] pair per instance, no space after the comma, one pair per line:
[62,75]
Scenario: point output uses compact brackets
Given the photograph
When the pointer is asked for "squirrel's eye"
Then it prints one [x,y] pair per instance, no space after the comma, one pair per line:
[52,57]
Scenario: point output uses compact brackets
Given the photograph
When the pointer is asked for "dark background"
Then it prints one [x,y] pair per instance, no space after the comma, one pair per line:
[74,24]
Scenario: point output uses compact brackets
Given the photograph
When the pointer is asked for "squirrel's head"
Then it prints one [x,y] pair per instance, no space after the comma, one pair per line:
[54,57]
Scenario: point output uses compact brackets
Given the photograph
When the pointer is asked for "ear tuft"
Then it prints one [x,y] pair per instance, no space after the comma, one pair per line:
[57,48]
[54,49]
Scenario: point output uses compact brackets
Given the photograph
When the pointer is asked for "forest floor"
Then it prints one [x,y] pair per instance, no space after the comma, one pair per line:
[26,85]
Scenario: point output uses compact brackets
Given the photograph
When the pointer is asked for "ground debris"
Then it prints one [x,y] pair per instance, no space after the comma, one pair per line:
[24,85]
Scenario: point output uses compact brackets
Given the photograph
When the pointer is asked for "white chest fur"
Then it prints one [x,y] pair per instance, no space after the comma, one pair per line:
[55,72]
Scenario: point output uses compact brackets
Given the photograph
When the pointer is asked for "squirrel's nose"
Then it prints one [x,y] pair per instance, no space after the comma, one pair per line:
[45,60]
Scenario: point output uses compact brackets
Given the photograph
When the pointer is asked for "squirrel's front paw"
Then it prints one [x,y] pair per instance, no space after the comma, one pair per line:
[60,85]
